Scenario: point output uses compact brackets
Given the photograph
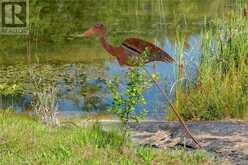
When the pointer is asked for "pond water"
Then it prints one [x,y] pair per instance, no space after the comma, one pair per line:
[51,54]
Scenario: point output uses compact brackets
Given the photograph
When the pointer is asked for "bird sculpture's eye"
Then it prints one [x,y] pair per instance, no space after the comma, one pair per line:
[99,25]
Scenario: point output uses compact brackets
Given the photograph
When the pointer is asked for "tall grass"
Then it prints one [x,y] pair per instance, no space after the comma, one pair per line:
[221,89]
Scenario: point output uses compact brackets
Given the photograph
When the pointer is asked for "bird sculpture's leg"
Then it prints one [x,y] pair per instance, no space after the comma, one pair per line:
[175,111]
[121,62]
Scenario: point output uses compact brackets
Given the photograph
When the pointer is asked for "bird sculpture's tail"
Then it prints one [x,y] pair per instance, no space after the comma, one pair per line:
[167,58]
[170,59]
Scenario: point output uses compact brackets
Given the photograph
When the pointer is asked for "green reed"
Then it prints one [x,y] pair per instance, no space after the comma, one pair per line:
[221,88]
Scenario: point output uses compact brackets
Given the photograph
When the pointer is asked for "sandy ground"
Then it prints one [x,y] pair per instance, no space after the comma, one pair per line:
[227,139]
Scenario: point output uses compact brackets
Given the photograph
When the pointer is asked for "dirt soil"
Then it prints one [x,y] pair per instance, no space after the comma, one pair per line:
[228,139]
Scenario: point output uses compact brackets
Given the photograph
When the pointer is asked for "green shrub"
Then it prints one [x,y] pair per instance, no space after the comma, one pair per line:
[128,95]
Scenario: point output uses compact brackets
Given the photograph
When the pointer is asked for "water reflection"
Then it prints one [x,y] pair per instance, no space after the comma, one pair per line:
[80,66]
[83,88]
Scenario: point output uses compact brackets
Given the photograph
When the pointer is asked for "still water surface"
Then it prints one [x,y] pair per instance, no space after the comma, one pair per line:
[49,50]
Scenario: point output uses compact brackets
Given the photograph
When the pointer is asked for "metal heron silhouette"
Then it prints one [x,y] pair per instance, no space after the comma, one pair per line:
[129,52]
[130,49]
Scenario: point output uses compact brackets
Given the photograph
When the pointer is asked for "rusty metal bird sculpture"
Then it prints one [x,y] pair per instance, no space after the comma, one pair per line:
[130,50]
[129,53]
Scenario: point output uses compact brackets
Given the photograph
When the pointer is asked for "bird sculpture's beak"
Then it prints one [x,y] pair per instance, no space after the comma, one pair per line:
[88,32]
[77,35]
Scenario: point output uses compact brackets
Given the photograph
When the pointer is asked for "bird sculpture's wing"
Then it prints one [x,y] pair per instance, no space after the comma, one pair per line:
[135,46]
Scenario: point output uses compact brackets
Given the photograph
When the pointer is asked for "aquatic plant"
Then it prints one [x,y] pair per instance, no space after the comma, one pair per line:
[10,89]
[221,89]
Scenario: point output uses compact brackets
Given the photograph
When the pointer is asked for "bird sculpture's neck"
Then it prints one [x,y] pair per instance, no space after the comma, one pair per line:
[108,47]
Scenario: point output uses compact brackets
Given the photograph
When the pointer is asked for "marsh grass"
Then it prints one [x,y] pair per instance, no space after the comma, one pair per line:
[221,89]
[24,140]
[45,106]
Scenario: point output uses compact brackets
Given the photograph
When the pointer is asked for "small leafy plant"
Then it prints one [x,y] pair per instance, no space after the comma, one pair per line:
[128,95]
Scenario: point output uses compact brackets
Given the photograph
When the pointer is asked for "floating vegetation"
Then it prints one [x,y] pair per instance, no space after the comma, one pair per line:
[70,80]
[28,78]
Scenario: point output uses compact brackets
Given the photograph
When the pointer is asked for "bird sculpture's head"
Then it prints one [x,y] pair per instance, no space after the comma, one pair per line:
[98,28]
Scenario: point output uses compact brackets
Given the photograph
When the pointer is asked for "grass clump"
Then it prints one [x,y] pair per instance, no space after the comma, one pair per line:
[221,89]
[45,106]
[24,140]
